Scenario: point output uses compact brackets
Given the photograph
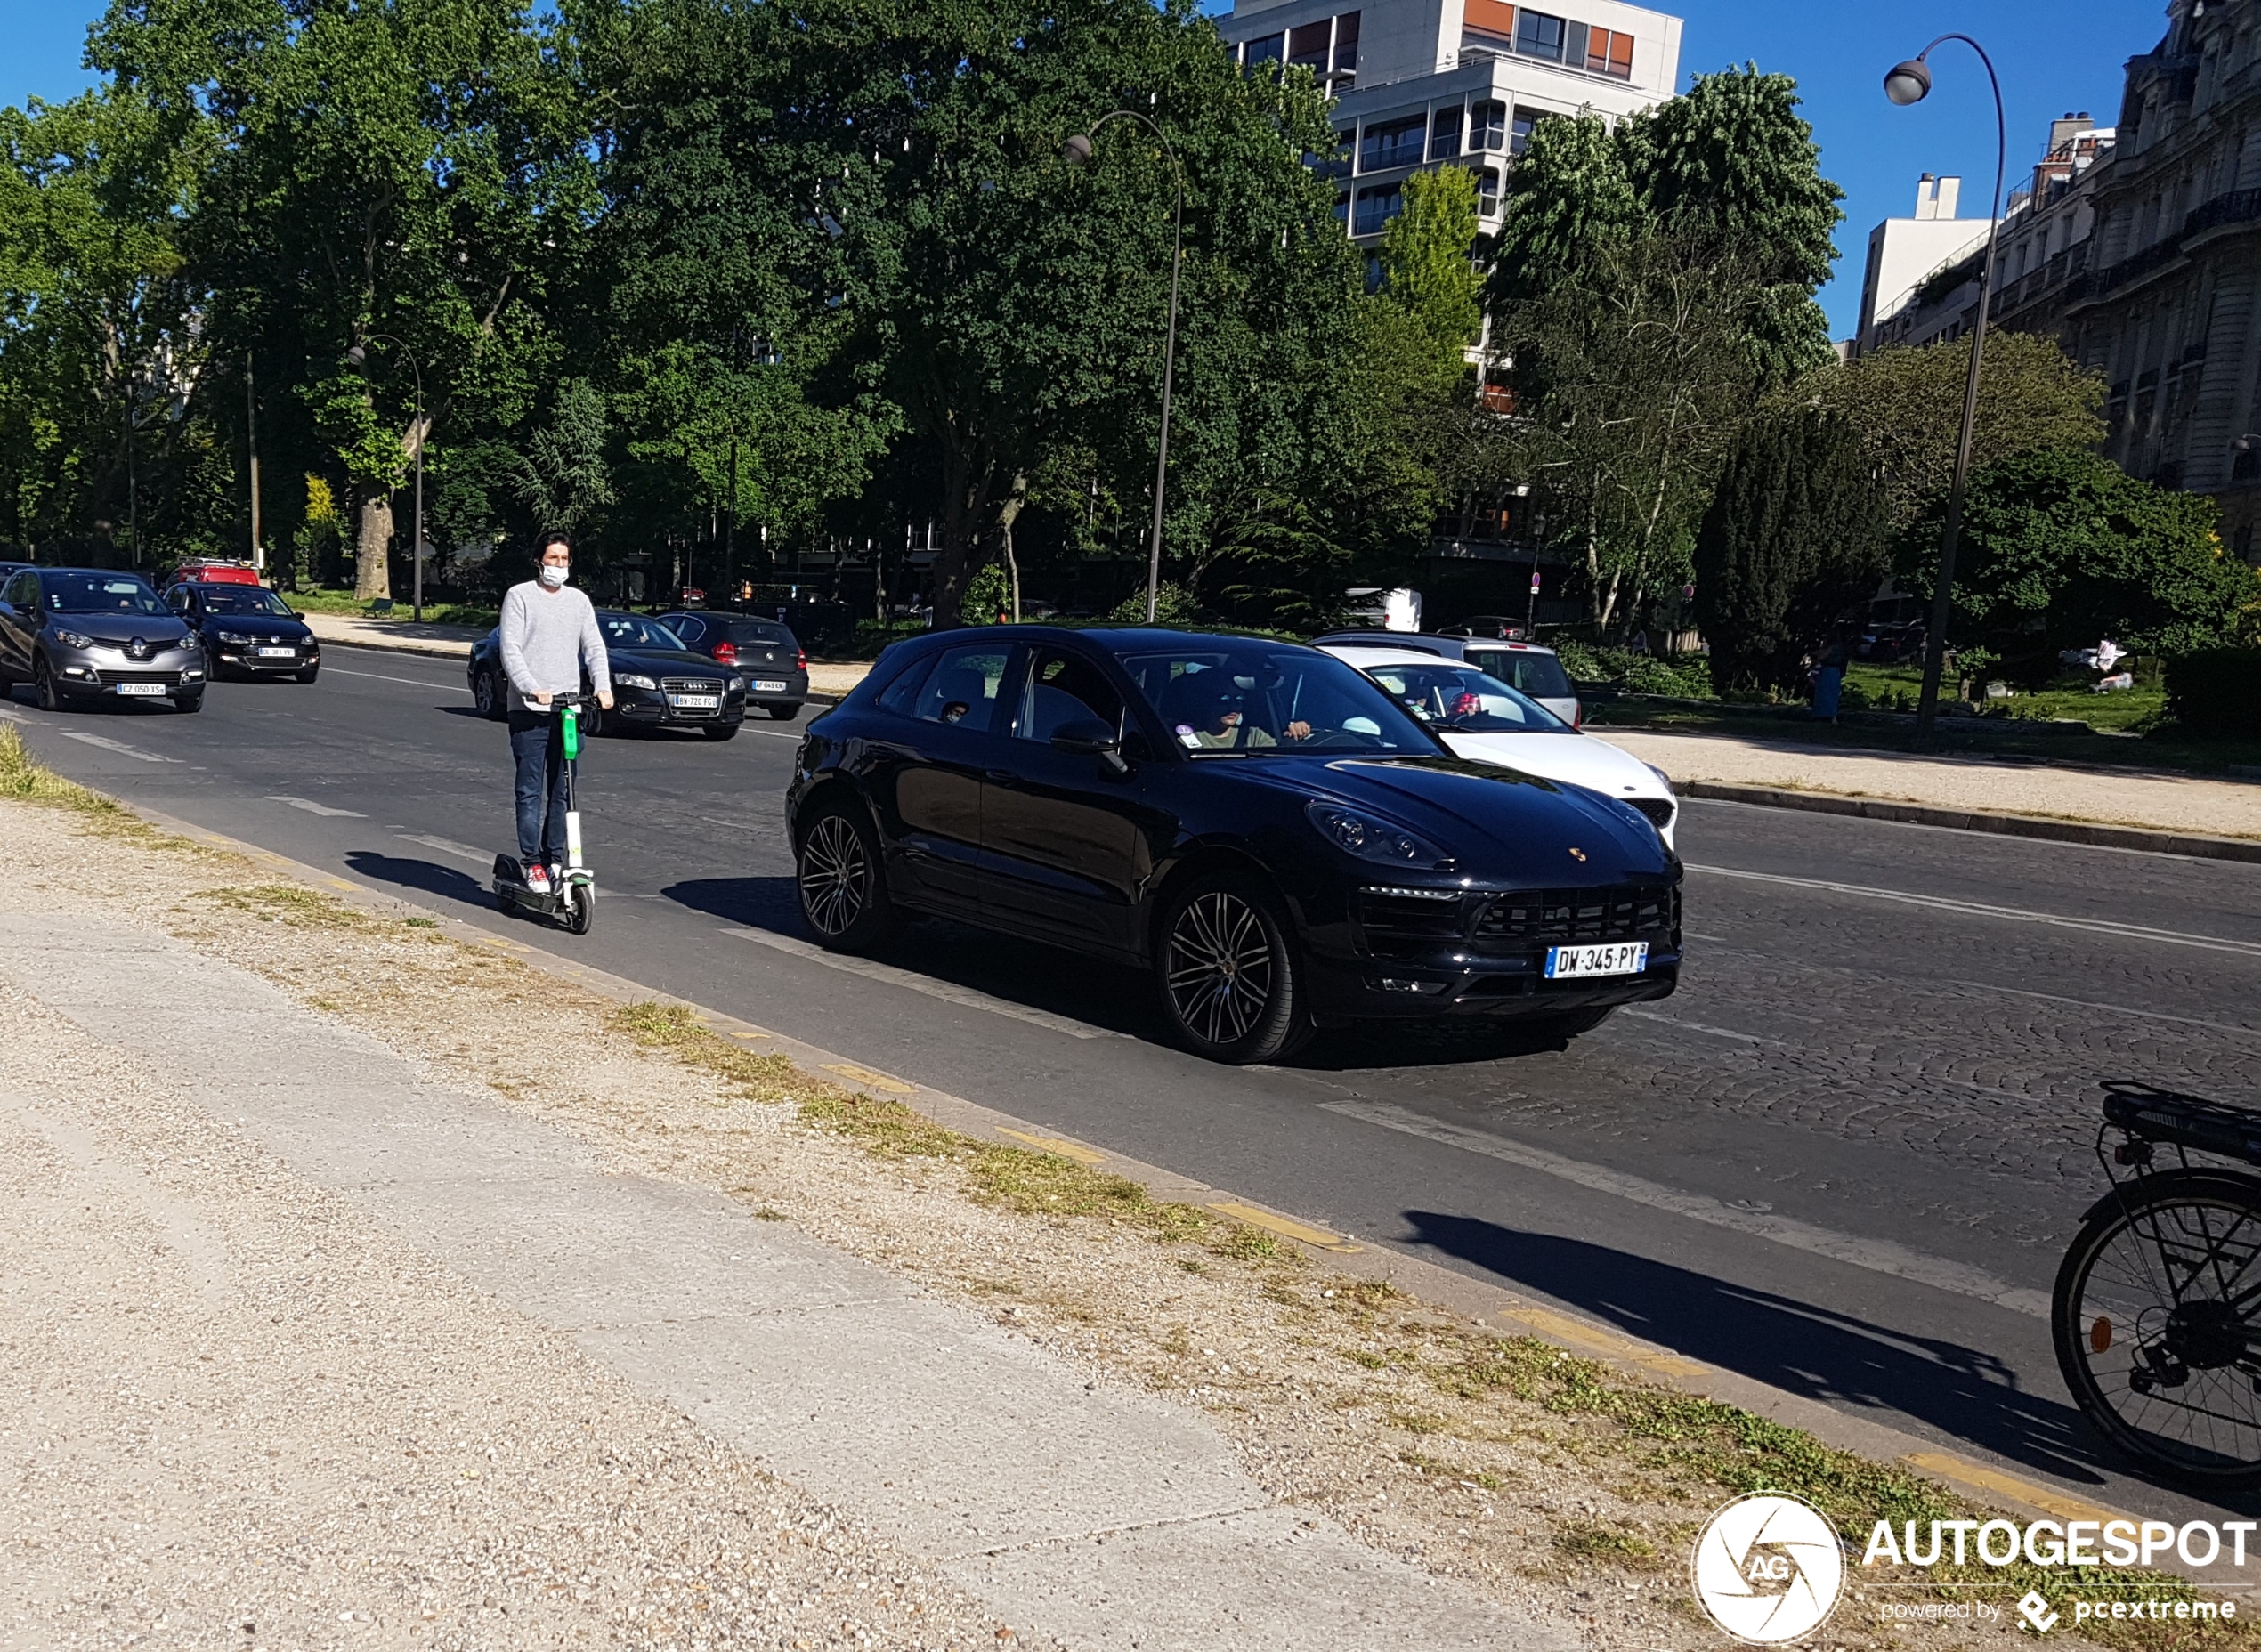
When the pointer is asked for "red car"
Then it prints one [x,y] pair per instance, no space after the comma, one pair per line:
[214,570]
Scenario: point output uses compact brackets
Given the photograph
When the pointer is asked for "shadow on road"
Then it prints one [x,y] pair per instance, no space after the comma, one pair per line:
[1798,1345]
[432,878]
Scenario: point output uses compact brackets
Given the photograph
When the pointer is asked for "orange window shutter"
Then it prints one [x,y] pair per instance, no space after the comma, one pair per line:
[1621,55]
[1490,17]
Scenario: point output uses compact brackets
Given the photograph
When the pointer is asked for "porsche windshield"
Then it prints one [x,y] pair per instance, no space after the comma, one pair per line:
[1276,702]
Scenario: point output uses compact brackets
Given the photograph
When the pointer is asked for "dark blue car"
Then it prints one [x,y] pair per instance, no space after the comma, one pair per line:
[1256,822]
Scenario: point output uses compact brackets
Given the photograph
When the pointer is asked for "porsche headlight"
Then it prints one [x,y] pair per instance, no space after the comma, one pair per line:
[1371,838]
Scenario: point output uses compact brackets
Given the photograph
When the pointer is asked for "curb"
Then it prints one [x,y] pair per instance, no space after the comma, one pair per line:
[1990,1479]
[2141,839]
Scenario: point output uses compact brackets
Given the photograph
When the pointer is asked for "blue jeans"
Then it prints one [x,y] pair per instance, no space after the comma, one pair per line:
[538,750]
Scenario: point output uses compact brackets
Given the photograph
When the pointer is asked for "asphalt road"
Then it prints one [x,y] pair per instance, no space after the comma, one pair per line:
[1845,1159]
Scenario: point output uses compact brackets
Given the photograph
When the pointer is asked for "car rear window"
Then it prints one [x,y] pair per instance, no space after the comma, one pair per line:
[761,632]
[1539,676]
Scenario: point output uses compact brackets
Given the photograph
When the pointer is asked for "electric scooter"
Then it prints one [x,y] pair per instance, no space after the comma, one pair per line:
[572,897]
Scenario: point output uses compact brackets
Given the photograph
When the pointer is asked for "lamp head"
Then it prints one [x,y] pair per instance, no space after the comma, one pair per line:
[1077,150]
[355,355]
[1908,83]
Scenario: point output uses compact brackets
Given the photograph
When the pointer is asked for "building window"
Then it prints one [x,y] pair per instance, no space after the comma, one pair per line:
[1388,144]
[1444,133]
[1264,49]
[1538,35]
[1377,205]
[1342,209]
[1307,47]
[1346,44]
[1487,190]
[1488,127]
[1519,133]
[1609,52]
[1492,23]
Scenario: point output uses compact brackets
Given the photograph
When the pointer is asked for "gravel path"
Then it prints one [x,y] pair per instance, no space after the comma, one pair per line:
[2226,808]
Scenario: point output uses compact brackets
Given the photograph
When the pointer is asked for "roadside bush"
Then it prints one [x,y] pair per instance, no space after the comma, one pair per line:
[2216,691]
[1636,674]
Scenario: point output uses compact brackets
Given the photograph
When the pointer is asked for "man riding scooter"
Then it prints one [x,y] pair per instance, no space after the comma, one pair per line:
[549,638]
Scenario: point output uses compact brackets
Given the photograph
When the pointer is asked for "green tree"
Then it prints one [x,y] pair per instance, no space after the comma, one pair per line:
[1426,265]
[2061,548]
[1907,406]
[1794,540]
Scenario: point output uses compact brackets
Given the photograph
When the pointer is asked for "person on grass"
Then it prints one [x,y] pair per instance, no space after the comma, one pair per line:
[549,641]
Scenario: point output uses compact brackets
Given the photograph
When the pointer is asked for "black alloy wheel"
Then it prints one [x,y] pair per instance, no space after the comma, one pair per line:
[43,685]
[785,714]
[844,890]
[1229,975]
[487,696]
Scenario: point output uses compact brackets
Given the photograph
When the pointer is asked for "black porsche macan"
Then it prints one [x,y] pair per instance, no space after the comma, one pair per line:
[1256,822]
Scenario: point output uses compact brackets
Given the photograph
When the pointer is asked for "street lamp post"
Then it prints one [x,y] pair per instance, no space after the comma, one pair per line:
[1910,83]
[1077,152]
[358,355]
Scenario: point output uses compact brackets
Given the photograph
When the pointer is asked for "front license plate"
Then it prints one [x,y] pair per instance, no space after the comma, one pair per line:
[769,685]
[694,702]
[277,653]
[152,691]
[1618,957]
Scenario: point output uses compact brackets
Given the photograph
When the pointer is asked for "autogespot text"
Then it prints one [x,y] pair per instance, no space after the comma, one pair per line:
[2052,1542]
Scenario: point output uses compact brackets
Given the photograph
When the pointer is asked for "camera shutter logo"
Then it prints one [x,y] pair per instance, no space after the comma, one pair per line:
[1769,1568]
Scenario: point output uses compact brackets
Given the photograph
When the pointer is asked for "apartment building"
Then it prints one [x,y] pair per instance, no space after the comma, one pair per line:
[1432,83]
[2168,308]
[1905,257]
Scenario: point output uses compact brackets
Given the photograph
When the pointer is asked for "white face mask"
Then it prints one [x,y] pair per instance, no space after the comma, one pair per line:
[553,576]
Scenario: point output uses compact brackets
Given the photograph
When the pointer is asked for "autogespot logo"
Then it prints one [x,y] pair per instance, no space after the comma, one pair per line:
[1769,1567]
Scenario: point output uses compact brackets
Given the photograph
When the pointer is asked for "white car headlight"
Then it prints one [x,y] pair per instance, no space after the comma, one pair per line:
[238,637]
[1663,779]
[737,684]
[631,679]
[73,639]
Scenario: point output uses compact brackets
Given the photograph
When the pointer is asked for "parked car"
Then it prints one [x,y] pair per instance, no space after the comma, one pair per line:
[8,571]
[214,570]
[1524,667]
[247,629]
[657,682]
[774,664]
[1486,626]
[76,634]
[1480,717]
[1280,843]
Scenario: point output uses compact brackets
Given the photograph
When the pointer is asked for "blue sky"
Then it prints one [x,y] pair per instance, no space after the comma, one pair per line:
[2064,55]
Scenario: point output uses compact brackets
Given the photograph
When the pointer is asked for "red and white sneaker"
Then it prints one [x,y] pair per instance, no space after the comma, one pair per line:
[537,878]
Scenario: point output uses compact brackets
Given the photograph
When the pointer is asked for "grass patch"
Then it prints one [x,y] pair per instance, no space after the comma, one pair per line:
[27,780]
[286,903]
[1603,1543]
[346,602]
[676,1030]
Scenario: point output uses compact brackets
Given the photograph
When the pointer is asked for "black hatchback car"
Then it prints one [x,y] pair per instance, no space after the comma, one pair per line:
[657,682]
[1256,822]
[247,629]
[770,656]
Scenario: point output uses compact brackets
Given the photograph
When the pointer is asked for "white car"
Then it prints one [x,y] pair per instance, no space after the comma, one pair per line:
[1480,718]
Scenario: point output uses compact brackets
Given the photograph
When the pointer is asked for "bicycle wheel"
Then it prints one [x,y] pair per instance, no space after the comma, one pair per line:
[2157,1322]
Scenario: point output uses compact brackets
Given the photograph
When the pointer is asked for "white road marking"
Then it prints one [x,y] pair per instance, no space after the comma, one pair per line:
[1699,1027]
[461,851]
[1879,1255]
[779,734]
[379,677]
[119,746]
[312,808]
[2117,1009]
[2008,914]
[965,996]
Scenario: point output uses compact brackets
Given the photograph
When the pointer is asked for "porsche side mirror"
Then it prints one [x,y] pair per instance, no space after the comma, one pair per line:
[1089,737]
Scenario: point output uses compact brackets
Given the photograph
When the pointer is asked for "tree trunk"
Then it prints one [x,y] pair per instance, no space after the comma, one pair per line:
[372,549]
[1006,515]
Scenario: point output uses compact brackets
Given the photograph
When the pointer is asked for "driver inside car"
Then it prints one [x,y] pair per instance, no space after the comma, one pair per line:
[1225,727]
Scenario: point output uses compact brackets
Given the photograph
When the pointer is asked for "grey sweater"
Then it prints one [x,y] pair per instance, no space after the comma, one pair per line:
[547,637]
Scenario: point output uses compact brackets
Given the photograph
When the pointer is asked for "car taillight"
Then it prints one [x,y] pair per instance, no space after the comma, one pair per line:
[726,653]
[800,660]
[1578,717]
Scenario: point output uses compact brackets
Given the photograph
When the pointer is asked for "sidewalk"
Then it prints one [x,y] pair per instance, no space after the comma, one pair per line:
[2155,799]
[327,1344]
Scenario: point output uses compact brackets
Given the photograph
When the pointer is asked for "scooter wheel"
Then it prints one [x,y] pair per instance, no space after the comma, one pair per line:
[579,908]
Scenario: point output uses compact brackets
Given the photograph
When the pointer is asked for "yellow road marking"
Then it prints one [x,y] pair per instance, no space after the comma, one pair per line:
[1287,1229]
[1052,1144]
[1577,1333]
[2045,1498]
[877,1080]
